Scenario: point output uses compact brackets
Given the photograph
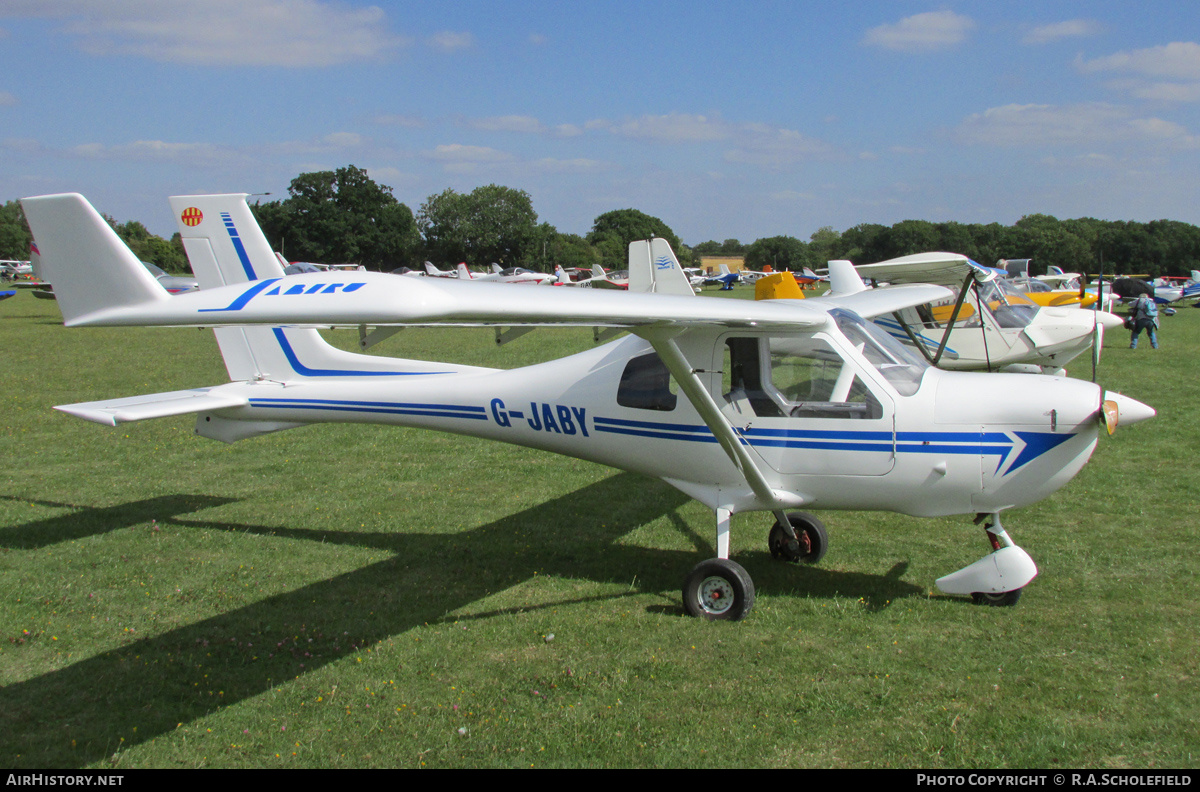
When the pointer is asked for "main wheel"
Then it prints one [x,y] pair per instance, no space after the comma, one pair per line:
[1000,599]
[718,589]
[810,543]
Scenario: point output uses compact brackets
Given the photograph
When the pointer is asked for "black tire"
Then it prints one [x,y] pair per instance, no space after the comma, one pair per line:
[718,589]
[1002,599]
[810,545]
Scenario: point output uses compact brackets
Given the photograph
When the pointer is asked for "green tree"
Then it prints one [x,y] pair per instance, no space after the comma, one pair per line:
[822,246]
[613,231]
[912,236]
[14,232]
[779,253]
[865,243]
[342,216]
[491,224]
[1049,242]
[550,248]
[170,256]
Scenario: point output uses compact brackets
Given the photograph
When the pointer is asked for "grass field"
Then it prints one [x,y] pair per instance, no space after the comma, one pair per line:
[348,596]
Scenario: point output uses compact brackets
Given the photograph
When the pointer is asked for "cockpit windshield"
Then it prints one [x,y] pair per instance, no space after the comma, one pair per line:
[1010,307]
[902,366]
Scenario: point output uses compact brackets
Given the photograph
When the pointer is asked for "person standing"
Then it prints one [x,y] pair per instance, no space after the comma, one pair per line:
[1145,317]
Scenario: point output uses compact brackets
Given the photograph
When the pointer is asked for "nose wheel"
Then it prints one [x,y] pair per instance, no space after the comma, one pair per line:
[803,541]
[1004,599]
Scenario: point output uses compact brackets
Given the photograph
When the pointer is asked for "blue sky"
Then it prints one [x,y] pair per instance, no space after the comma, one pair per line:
[726,120]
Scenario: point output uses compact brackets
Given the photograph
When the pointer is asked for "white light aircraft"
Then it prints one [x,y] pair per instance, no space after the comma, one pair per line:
[510,275]
[742,405]
[11,268]
[996,326]
[613,281]
[434,272]
[725,278]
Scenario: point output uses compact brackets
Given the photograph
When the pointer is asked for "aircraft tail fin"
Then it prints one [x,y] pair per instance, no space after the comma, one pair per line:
[653,267]
[80,254]
[844,279]
[463,272]
[226,246]
[561,274]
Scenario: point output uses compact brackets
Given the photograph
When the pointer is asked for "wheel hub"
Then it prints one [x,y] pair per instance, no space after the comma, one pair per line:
[715,595]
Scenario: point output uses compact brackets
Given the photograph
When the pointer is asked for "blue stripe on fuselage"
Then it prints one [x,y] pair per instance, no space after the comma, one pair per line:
[469,412]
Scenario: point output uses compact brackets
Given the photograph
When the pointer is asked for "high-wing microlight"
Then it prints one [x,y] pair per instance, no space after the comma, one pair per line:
[745,406]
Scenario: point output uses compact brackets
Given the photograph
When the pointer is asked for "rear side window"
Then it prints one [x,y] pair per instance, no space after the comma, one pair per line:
[646,384]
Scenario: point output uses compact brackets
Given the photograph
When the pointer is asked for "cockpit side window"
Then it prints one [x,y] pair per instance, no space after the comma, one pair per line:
[799,377]
[742,380]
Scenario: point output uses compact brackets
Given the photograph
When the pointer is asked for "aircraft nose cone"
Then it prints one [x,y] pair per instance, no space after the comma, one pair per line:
[1110,321]
[1130,411]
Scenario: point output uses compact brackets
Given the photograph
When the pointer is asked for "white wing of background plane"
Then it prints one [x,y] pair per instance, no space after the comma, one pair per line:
[947,269]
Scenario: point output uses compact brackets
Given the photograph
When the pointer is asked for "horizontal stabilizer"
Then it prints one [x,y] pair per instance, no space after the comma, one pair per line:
[154,405]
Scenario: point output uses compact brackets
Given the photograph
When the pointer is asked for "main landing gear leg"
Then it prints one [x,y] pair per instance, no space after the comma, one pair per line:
[998,578]
[719,589]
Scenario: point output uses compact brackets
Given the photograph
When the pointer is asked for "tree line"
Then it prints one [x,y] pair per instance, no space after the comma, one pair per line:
[344,216]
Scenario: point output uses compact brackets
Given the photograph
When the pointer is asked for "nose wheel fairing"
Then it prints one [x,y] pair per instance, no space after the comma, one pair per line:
[1006,569]
[996,578]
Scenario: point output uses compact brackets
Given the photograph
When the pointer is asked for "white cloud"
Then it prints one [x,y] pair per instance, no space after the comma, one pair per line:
[1072,28]
[1074,125]
[1179,60]
[1159,91]
[194,154]
[459,153]
[1170,72]
[576,165]
[751,143]
[508,123]
[343,139]
[928,32]
[766,146]
[286,33]
[451,41]
[408,122]
[673,128]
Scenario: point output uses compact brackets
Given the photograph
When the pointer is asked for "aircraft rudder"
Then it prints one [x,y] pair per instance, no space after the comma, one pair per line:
[223,240]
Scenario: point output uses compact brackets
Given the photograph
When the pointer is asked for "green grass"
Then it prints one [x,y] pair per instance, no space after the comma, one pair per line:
[349,596]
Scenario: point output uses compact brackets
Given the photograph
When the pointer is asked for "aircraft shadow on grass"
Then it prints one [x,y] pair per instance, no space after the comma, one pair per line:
[79,714]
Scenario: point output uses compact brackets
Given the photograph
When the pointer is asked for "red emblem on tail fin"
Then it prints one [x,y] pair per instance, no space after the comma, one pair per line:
[192,216]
